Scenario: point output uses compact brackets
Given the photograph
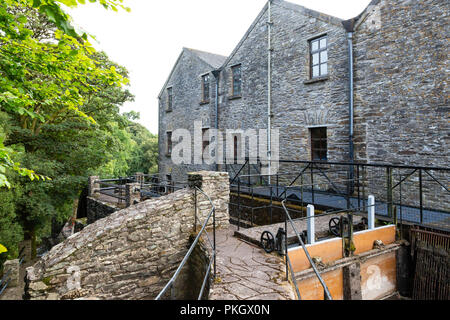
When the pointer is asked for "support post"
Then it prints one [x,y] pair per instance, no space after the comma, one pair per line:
[140,178]
[249,172]
[93,186]
[130,194]
[253,201]
[195,210]
[239,203]
[371,212]
[286,246]
[359,192]
[312,182]
[278,185]
[271,205]
[421,195]
[389,197]
[214,242]
[311,225]
[352,282]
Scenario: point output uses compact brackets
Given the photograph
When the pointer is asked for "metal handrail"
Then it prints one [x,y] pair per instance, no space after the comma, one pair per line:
[111,185]
[212,213]
[325,288]
[346,163]
[293,276]
[168,186]
[6,279]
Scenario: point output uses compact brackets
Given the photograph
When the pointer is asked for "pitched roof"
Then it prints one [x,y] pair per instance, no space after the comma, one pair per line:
[310,12]
[363,15]
[216,61]
[212,59]
[290,6]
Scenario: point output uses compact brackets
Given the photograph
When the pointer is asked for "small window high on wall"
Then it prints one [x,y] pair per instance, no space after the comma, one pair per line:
[237,81]
[169,143]
[205,88]
[319,144]
[169,99]
[319,57]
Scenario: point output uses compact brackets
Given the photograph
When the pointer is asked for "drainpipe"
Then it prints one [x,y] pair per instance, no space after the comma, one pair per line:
[351,183]
[351,94]
[349,27]
[216,74]
[269,88]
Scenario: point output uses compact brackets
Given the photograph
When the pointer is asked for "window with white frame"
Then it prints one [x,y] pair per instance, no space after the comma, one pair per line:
[319,57]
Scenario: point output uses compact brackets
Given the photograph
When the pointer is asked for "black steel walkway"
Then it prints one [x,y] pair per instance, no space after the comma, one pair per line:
[334,201]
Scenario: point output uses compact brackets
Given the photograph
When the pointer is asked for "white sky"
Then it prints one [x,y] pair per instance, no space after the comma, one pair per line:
[148,40]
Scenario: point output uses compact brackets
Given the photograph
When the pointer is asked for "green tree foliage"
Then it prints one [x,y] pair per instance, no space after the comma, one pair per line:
[60,115]
[11,231]
[145,153]
[45,76]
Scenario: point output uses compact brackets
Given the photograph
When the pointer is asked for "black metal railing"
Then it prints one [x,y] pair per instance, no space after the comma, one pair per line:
[148,185]
[152,185]
[6,279]
[114,188]
[212,214]
[421,195]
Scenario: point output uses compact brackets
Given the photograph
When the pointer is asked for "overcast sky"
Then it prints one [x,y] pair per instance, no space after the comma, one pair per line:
[148,40]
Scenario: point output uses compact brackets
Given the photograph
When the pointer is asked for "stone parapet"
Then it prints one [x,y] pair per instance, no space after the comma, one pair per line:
[93,185]
[130,254]
[212,183]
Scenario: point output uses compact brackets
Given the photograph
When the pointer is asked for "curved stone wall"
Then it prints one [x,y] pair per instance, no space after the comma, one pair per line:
[132,253]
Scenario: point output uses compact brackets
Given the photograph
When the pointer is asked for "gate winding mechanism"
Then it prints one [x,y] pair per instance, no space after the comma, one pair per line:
[270,243]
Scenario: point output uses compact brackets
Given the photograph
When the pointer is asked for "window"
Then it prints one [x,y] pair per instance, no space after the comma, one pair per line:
[205,88]
[205,141]
[319,144]
[169,143]
[237,81]
[169,99]
[319,57]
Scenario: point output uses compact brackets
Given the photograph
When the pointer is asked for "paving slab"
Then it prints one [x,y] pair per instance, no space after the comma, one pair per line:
[246,272]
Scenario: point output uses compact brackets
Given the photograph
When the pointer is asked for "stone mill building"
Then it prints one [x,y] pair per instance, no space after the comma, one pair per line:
[370,92]
[372,88]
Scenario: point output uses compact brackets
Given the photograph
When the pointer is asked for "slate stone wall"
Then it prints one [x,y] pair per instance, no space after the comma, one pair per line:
[297,102]
[187,108]
[401,83]
[400,91]
[401,94]
[97,209]
[132,253]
